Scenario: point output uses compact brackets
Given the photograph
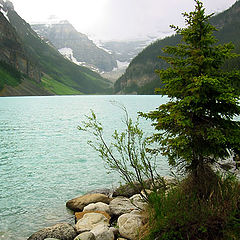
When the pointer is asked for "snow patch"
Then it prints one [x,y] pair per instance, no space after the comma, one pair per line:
[4,13]
[99,44]
[106,50]
[68,53]
[122,64]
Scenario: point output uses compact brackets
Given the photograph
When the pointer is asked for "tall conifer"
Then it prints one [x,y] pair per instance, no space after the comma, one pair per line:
[197,126]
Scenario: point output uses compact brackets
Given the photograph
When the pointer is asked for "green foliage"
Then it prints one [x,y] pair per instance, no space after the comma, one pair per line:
[196,126]
[148,89]
[144,65]
[126,153]
[228,23]
[181,214]
[9,75]
[59,88]
[195,129]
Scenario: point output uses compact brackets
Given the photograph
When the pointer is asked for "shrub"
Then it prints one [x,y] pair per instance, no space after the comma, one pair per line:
[182,214]
[126,154]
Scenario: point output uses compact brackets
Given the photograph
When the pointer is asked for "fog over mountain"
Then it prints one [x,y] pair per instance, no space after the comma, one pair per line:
[116,20]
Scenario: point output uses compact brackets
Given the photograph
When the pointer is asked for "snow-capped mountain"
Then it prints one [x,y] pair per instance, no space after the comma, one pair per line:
[74,45]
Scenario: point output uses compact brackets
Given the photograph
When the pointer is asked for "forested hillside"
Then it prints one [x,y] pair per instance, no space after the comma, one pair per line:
[140,76]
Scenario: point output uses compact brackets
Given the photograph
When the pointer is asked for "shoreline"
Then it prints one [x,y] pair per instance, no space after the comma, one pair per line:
[104,207]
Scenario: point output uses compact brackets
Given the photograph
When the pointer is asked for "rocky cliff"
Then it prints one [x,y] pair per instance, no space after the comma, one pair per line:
[24,51]
[12,51]
[76,46]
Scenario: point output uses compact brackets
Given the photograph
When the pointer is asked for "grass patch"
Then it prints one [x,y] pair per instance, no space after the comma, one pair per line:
[182,213]
[57,87]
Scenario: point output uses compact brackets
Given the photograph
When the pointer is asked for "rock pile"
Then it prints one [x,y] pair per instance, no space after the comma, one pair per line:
[102,215]
[99,217]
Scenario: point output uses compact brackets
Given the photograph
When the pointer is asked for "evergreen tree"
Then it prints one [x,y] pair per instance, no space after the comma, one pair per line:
[197,127]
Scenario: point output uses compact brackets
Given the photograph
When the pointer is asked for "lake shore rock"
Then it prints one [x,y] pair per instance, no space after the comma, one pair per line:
[138,202]
[121,205]
[51,239]
[96,214]
[77,204]
[106,191]
[129,224]
[79,215]
[127,190]
[103,232]
[63,231]
[89,221]
[85,236]
[99,206]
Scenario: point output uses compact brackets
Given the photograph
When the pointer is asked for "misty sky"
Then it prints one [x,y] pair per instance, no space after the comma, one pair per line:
[115,19]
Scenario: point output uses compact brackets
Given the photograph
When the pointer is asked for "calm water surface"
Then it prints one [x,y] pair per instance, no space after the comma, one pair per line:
[45,160]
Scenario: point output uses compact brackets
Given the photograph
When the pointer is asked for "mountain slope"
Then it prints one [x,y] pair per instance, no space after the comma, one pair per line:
[65,37]
[140,76]
[56,71]
[15,66]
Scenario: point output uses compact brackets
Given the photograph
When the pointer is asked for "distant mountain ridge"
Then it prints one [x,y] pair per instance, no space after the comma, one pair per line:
[66,38]
[110,58]
[43,70]
[140,76]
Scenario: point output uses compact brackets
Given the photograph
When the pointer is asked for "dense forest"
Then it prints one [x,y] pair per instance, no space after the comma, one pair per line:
[140,76]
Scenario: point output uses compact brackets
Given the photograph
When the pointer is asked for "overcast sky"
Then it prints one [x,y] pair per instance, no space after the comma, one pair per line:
[115,19]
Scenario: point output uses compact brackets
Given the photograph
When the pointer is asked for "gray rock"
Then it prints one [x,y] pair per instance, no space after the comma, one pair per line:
[62,231]
[106,191]
[51,239]
[129,225]
[114,230]
[138,201]
[99,206]
[127,190]
[102,232]
[121,205]
[77,204]
[79,215]
[170,181]
[85,236]
[89,221]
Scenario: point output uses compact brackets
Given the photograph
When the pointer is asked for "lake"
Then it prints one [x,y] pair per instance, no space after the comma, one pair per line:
[45,160]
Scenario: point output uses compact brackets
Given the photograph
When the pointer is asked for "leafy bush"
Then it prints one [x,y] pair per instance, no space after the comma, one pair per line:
[126,153]
[181,214]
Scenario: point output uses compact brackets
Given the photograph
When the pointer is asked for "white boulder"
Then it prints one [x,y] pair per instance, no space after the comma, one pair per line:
[89,221]
[138,201]
[129,225]
[121,205]
[102,232]
[99,206]
[85,236]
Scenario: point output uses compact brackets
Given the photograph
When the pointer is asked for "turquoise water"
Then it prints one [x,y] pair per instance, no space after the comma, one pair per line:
[45,160]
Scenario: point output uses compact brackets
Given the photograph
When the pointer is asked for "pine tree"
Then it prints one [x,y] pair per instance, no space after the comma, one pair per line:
[197,127]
